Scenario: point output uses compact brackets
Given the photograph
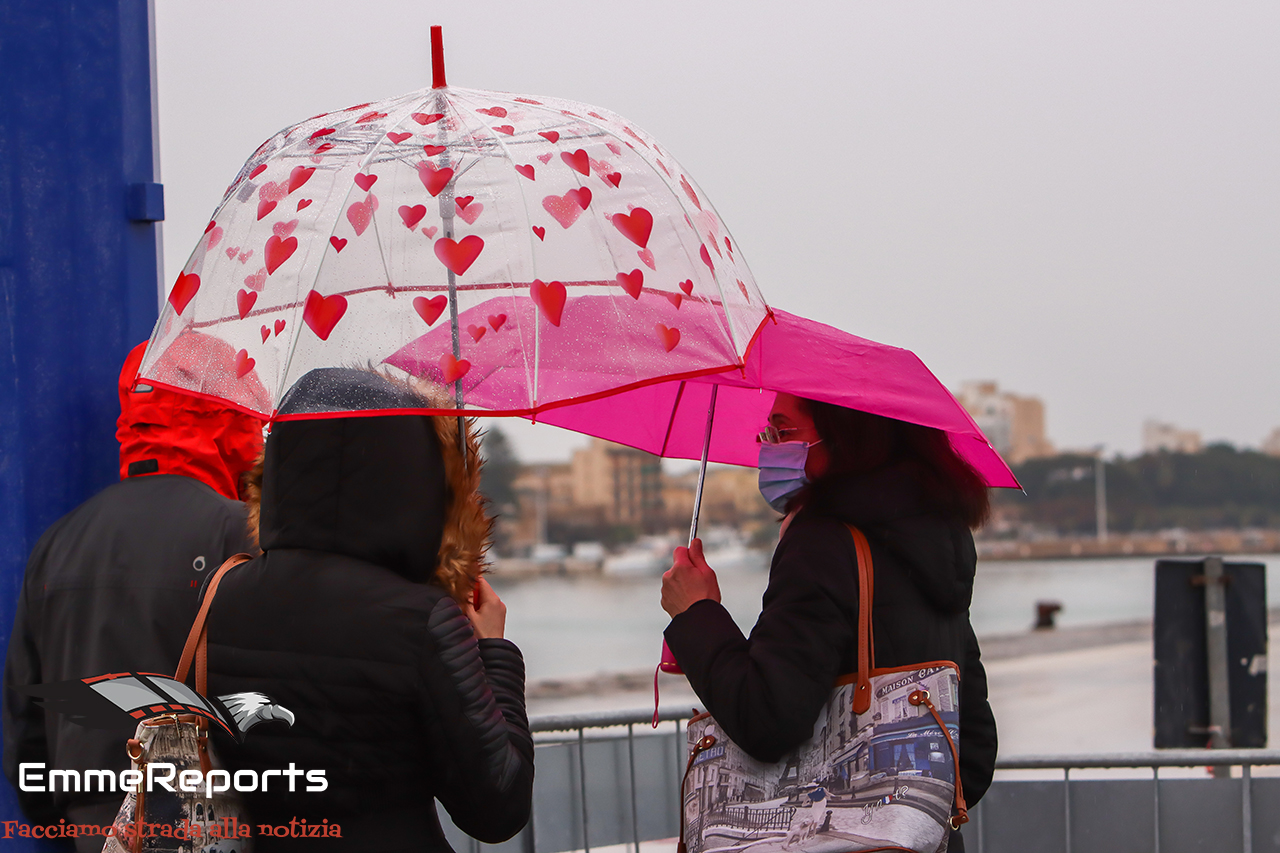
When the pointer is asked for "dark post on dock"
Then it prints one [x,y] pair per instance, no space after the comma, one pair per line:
[1210,654]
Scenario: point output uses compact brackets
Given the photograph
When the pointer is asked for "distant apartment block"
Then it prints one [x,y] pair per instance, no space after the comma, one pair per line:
[1158,436]
[1012,423]
[1271,445]
[625,483]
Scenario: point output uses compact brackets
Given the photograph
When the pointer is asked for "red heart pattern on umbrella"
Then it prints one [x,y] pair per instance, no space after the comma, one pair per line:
[636,227]
[495,112]
[284,229]
[564,209]
[256,281]
[411,216]
[299,176]
[471,213]
[505,129]
[430,309]
[669,337]
[434,150]
[551,136]
[459,256]
[476,332]
[278,251]
[632,282]
[303,204]
[244,302]
[550,299]
[322,313]
[453,369]
[279,326]
[540,231]
[338,243]
[687,286]
[434,179]
[365,182]
[577,160]
[184,290]
[360,214]
[397,138]
[266,333]
[497,321]
[426,118]
[527,171]
[244,363]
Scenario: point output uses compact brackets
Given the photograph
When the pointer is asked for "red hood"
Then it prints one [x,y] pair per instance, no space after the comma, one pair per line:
[185,435]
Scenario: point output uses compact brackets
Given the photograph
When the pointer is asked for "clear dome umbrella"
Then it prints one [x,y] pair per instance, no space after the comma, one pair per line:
[528,252]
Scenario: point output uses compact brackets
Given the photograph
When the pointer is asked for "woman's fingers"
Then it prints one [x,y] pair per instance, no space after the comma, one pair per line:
[695,554]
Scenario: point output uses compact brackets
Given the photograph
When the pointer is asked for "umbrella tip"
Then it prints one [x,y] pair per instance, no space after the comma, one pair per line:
[437,58]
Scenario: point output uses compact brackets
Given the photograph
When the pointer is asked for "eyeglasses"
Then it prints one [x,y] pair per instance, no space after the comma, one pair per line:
[772,435]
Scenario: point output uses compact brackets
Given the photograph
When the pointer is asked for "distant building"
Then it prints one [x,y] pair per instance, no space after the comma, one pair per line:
[1271,446]
[1157,436]
[625,483]
[1013,424]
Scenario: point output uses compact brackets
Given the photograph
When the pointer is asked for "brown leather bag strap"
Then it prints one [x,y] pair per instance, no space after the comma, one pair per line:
[197,639]
[866,649]
[960,810]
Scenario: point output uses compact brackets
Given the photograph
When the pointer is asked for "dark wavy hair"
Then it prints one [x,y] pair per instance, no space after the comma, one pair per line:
[860,442]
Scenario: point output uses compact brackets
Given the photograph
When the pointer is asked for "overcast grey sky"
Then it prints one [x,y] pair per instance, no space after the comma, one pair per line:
[1077,198]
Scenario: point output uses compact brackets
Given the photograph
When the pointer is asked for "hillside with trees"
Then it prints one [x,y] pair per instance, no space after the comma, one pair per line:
[1220,487]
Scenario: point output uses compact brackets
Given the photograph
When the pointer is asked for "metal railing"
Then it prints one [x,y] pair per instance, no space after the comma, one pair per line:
[1219,759]
[607,779]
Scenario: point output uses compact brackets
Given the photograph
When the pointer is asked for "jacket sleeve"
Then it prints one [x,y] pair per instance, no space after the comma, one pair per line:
[977,726]
[476,689]
[23,718]
[767,690]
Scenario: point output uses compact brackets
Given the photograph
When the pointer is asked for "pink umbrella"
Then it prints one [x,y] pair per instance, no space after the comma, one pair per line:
[669,417]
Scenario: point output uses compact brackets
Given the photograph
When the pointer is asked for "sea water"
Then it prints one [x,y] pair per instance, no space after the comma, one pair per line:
[572,627]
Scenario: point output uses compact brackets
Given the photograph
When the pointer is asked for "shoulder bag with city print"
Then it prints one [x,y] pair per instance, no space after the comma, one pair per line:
[879,772]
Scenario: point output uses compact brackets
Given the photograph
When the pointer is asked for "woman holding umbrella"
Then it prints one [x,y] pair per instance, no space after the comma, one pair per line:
[916,500]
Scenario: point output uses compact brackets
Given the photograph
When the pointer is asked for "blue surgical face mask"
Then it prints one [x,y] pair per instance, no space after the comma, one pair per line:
[782,471]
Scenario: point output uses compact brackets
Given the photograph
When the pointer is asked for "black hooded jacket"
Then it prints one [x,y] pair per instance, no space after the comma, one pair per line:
[339,621]
[766,691]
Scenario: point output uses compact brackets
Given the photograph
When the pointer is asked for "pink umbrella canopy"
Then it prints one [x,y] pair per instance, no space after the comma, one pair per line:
[469,234]
[791,354]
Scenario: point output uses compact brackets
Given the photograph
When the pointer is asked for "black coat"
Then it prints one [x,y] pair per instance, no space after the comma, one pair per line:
[113,586]
[340,622]
[766,691]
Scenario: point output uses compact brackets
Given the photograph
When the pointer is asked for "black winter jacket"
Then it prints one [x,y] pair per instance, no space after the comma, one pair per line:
[766,691]
[340,622]
[112,586]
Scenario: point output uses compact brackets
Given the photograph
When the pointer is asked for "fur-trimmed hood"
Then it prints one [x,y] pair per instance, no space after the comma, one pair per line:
[393,490]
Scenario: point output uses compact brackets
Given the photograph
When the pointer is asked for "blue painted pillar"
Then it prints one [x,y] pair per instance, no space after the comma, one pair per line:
[79,243]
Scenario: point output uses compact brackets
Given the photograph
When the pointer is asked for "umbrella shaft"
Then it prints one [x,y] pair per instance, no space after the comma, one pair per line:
[702,471]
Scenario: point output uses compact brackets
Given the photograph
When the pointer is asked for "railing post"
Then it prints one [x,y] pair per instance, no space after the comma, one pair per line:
[1155,779]
[1246,788]
[1066,805]
[631,763]
[582,780]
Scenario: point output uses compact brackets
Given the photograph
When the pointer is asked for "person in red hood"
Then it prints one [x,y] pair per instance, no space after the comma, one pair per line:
[113,585]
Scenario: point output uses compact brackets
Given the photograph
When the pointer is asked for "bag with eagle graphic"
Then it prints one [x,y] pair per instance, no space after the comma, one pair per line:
[879,772]
[162,817]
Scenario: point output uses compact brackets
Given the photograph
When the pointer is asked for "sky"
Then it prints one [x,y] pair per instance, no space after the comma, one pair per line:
[1079,199]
